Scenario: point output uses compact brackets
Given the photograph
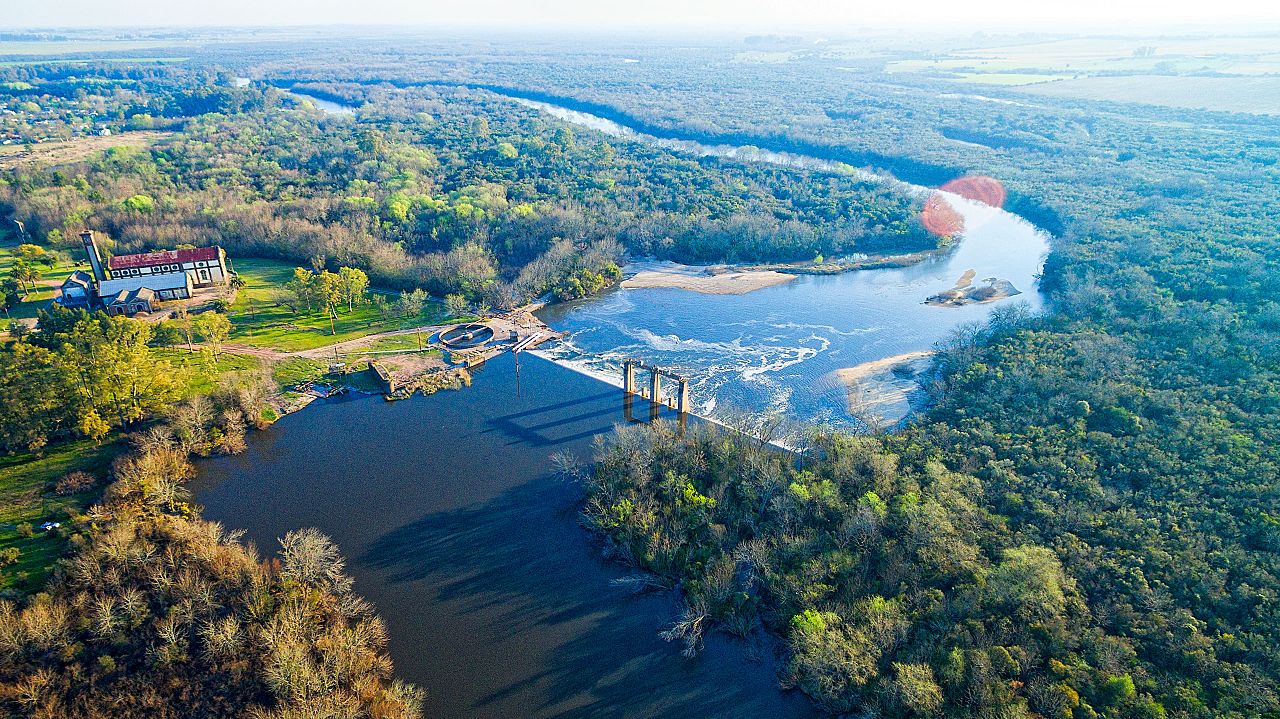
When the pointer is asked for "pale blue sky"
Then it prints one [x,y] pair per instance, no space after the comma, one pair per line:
[1120,15]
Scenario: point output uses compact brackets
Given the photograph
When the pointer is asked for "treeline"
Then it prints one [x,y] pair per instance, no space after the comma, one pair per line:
[126,91]
[450,189]
[158,613]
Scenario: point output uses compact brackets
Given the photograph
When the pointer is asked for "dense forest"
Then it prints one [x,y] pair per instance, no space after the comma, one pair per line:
[1085,523]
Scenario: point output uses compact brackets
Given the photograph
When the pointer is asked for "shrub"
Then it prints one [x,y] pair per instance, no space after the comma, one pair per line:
[25,529]
[10,556]
[74,483]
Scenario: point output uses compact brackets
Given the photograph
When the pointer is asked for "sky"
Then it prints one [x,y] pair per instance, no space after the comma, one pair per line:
[1118,15]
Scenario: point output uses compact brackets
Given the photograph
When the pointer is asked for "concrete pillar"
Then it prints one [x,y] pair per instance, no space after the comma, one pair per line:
[682,400]
[629,377]
[655,385]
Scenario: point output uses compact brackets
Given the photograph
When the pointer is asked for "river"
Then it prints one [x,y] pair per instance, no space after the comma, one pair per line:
[779,348]
[457,529]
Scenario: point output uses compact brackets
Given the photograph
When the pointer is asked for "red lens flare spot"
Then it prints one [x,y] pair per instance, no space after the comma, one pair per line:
[940,218]
[979,188]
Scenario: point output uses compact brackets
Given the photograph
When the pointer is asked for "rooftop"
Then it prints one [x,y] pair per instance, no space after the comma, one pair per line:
[163,257]
[167,281]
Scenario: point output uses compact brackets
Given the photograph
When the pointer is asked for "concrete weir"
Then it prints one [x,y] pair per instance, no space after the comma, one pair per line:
[653,393]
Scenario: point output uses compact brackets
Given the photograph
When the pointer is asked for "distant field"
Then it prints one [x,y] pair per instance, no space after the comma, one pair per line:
[76,47]
[1229,94]
[13,157]
[123,60]
[1006,78]
[1081,64]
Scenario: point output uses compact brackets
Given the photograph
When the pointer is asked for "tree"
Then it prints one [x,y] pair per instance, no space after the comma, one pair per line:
[35,398]
[411,304]
[354,285]
[35,253]
[1029,583]
[183,323]
[9,295]
[564,138]
[302,286]
[114,371]
[328,292]
[213,329]
[24,274]
[140,203]
[507,151]
[456,304]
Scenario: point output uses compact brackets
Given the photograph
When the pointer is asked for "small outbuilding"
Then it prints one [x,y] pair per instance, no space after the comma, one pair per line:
[77,291]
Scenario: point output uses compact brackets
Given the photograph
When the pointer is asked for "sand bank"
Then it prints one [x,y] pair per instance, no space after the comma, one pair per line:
[883,387]
[707,280]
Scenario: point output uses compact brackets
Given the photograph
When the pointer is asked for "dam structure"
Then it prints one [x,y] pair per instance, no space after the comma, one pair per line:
[652,390]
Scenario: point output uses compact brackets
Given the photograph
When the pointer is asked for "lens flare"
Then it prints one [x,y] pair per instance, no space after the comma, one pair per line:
[940,218]
[979,188]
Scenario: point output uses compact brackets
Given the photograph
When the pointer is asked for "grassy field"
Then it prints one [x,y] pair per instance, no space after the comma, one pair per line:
[1009,79]
[14,157]
[201,369]
[1257,95]
[27,497]
[259,321]
[1165,71]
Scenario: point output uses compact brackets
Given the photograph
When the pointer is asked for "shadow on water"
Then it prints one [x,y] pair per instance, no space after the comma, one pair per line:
[516,568]
[498,602]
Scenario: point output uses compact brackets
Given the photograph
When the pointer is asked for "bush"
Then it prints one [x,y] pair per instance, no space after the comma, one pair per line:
[10,556]
[25,530]
[74,483]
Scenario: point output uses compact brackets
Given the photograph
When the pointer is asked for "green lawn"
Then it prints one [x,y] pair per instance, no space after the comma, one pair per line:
[27,497]
[259,321]
[398,343]
[39,298]
[297,370]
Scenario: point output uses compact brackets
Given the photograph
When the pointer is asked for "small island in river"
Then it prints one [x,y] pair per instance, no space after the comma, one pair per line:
[966,293]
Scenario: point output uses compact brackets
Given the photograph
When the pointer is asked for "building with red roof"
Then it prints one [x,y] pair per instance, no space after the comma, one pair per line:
[204,265]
